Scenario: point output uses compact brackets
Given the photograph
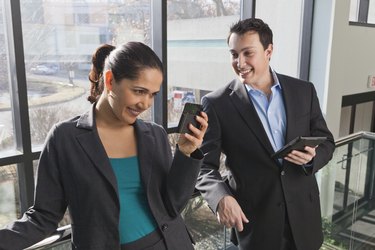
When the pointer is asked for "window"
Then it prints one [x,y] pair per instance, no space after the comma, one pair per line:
[9,200]
[6,120]
[58,53]
[362,12]
[287,41]
[198,56]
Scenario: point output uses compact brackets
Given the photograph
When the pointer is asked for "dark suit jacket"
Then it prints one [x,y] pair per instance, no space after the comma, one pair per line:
[264,189]
[75,172]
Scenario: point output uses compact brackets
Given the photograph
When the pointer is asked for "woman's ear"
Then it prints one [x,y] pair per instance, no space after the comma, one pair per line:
[108,77]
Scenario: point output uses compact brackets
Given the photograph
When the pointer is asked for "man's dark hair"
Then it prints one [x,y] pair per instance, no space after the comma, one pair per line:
[256,25]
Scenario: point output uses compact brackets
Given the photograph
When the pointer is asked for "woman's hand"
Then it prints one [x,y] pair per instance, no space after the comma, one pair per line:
[188,143]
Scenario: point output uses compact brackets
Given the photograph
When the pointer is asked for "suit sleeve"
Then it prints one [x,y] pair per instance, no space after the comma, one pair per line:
[40,220]
[318,127]
[210,182]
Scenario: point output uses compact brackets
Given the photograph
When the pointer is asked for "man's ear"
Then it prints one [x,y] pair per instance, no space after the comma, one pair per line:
[108,77]
[269,50]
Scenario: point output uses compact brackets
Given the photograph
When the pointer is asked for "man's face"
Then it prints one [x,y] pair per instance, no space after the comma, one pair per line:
[249,59]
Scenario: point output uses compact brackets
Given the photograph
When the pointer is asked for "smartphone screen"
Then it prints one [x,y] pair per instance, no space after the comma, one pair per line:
[188,116]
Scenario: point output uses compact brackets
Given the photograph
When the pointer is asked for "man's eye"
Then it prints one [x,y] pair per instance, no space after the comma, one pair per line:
[234,55]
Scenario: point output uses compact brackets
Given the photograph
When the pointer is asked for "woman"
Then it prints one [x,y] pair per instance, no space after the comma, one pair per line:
[114,172]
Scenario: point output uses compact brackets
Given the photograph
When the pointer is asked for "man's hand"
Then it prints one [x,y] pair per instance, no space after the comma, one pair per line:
[300,157]
[229,213]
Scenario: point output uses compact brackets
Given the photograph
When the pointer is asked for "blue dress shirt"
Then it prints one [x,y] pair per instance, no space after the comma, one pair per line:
[271,112]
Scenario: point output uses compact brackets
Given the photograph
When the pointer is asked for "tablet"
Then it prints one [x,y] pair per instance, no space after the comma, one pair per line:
[299,144]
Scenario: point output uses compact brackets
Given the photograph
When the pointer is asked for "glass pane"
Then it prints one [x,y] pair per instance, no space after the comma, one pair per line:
[6,121]
[59,39]
[346,190]
[198,57]
[204,227]
[371,12]
[9,199]
[354,8]
[278,15]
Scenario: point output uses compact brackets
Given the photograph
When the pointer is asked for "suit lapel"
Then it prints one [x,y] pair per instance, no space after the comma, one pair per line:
[249,114]
[290,105]
[94,149]
[146,149]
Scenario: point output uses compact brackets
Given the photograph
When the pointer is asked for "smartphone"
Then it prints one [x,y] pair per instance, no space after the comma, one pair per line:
[299,144]
[188,116]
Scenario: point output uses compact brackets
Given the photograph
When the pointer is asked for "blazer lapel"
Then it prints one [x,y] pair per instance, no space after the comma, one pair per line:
[290,105]
[245,107]
[146,149]
[93,147]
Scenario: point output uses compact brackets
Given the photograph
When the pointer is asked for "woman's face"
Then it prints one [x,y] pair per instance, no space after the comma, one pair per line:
[129,98]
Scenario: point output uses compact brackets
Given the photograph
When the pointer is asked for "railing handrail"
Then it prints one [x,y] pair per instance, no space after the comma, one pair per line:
[355,136]
[62,234]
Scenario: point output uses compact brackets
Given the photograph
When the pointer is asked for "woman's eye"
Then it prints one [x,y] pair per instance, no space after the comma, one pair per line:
[139,91]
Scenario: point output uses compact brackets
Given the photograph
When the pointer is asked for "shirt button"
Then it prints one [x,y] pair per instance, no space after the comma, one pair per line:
[283,172]
[164,227]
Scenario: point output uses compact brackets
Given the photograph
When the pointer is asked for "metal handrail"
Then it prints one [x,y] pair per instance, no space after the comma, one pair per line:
[62,235]
[353,137]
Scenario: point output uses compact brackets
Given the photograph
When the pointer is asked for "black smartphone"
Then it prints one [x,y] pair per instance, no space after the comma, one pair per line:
[299,144]
[188,116]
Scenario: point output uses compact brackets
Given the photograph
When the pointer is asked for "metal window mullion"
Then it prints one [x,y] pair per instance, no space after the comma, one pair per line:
[159,45]
[306,37]
[18,93]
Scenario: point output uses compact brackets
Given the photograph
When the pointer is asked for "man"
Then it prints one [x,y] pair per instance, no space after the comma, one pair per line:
[270,203]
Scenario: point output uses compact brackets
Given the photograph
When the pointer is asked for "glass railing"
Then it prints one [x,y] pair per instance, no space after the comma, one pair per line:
[347,194]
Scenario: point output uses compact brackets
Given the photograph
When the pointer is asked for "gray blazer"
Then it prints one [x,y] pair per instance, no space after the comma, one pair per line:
[74,171]
[265,190]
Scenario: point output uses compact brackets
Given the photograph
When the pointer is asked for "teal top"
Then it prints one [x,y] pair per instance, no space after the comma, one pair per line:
[136,219]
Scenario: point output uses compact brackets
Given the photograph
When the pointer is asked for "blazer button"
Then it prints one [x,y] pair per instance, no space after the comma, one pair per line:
[164,227]
[283,172]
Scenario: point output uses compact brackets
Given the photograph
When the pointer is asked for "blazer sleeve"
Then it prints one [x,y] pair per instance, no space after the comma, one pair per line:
[181,177]
[40,220]
[318,127]
[210,182]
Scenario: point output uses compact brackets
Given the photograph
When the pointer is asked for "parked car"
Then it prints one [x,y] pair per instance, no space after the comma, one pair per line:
[44,69]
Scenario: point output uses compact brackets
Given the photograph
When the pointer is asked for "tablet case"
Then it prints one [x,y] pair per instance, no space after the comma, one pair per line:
[298,143]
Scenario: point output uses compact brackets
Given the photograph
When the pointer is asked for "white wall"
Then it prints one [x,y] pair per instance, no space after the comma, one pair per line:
[342,61]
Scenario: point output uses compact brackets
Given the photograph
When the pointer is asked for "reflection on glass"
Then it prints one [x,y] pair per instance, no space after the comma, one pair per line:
[59,39]
[6,121]
[198,57]
[204,227]
[9,200]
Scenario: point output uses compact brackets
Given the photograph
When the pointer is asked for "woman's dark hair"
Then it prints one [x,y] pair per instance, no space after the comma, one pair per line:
[126,61]
[96,72]
[256,25]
